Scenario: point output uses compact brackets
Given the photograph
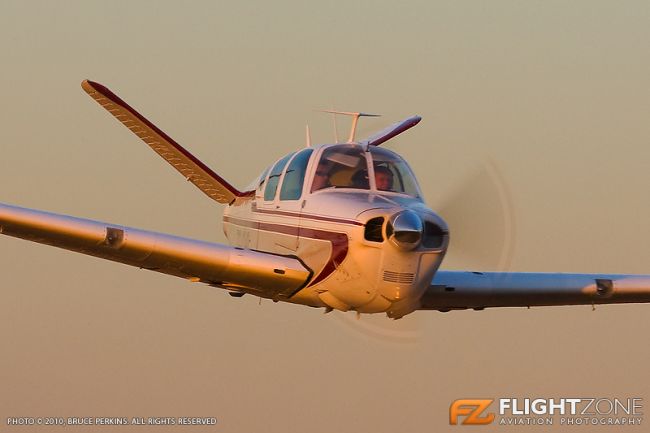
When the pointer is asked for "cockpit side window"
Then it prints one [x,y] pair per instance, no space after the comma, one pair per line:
[342,166]
[274,178]
[295,176]
[262,178]
[392,174]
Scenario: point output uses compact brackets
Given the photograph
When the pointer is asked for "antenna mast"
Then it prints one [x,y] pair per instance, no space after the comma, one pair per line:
[355,120]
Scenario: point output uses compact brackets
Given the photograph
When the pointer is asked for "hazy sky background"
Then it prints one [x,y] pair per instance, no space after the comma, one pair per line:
[555,94]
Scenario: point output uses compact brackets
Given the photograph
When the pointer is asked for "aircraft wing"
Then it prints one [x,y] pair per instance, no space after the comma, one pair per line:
[457,290]
[213,185]
[241,270]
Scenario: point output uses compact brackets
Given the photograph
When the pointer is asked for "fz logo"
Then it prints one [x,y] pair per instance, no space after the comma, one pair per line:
[471,410]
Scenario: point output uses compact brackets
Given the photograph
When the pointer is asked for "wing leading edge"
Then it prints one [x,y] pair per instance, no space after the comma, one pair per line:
[262,274]
[457,290]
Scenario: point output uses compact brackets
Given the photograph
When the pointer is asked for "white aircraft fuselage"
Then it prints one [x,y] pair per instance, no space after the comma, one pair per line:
[354,268]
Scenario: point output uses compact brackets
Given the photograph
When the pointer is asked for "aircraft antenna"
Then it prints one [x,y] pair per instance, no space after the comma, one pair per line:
[355,121]
[336,129]
[307,136]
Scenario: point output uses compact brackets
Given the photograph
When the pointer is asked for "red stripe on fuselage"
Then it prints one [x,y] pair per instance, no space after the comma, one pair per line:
[255,209]
[339,241]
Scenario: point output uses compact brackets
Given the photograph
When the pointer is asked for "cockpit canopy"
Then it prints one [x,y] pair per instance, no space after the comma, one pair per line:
[348,165]
[339,166]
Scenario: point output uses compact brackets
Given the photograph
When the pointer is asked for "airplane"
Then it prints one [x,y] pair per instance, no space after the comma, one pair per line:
[339,226]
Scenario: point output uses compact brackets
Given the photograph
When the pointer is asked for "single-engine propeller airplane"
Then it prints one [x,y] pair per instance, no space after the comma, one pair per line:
[338,226]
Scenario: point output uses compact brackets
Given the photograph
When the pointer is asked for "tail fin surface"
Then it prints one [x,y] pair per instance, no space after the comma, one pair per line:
[212,185]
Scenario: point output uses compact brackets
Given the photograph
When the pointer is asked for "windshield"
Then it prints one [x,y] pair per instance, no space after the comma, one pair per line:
[342,166]
[392,174]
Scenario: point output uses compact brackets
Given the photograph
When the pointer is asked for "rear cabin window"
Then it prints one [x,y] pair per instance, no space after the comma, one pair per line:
[274,178]
[262,178]
[295,176]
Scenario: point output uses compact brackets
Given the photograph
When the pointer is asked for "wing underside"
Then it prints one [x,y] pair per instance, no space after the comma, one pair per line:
[265,275]
[456,290]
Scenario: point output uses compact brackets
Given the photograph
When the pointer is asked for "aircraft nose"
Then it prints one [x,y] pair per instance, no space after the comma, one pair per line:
[405,230]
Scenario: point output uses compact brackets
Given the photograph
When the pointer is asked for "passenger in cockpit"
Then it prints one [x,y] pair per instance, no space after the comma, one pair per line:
[321,179]
[360,179]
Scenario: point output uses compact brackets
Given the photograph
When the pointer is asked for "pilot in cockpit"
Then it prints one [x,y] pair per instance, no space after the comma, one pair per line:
[383,178]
